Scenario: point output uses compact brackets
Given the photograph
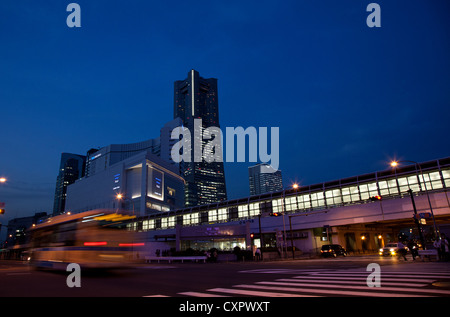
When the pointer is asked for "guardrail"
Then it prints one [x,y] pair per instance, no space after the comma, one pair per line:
[428,253]
[170,259]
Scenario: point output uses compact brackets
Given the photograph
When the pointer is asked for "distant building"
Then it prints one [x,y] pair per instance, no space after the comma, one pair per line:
[71,168]
[261,181]
[147,183]
[197,98]
[16,233]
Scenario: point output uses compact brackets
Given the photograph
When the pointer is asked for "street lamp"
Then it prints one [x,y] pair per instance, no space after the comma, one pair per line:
[119,197]
[395,164]
[283,203]
[2,204]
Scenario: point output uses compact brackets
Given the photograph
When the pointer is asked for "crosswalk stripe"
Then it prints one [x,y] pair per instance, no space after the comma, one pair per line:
[389,272]
[198,294]
[352,282]
[333,292]
[255,293]
[353,287]
[382,275]
[326,282]
[364,278]
[283,271]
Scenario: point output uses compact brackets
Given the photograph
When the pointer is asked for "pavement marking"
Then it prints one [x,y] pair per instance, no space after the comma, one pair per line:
[283,271]
[446,273]
[299,280]
[329,292]
[255,293]
[158,295]
[419,280]
[198,294]
[332,282]
[353,287]
[383,274]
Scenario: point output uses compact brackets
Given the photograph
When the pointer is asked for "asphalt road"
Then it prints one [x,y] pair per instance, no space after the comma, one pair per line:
[319,277]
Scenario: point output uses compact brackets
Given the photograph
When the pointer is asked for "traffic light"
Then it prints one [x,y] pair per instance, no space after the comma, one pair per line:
[252,235]
[2,211]
[376,198]
[274,214]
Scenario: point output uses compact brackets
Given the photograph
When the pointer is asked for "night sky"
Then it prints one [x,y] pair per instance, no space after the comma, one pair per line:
[347,98]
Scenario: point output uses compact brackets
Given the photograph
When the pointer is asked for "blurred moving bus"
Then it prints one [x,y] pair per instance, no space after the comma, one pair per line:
[93,239]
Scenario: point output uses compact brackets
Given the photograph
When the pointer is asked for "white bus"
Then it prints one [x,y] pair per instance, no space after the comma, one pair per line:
[92,239]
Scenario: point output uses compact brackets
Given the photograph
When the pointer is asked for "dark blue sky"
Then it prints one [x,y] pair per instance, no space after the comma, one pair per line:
[347,98]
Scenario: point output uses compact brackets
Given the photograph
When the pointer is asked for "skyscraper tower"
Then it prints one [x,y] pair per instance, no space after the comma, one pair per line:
[197,98]
[71,168]
[261,181]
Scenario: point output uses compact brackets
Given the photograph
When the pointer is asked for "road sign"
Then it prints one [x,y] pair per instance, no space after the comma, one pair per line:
[423,215]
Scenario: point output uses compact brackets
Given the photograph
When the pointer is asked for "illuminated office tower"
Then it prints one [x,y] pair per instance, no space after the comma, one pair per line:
[196,98]
[261,181]
[71,168]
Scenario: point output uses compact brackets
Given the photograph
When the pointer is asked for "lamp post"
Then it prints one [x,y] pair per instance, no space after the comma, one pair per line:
[2,204]
[283,208]
[119,197]
[295,186]
[395,164]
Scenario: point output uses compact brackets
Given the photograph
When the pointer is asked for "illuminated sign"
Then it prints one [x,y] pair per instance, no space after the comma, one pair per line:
[155,188]
[116,182]
[157,183]
[95,156]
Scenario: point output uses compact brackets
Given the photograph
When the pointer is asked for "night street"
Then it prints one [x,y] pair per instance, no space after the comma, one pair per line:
[311,277]
[207,157]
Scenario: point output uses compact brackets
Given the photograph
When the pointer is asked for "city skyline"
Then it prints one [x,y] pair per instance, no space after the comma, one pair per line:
[347,98]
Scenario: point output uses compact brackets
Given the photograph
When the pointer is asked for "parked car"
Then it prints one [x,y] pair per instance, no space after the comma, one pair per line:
[333,250]
[391,249]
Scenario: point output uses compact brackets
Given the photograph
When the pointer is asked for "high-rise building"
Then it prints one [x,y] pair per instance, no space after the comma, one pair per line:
[100,159]
[196,98]
[17,229]
[71,168]
[263,179]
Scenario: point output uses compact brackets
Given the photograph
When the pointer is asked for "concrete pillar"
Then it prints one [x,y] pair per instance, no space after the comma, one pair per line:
[177,237]
[248,239]
[144,184]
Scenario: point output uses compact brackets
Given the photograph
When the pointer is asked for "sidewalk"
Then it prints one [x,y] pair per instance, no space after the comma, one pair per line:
[356,257]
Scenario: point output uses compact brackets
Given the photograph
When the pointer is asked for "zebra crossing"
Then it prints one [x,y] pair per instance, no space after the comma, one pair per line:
[327,282]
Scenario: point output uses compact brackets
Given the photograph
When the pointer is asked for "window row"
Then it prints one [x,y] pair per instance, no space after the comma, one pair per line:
[331,197]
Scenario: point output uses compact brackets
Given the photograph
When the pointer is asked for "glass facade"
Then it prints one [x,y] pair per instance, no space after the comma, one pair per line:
[197,98]
[71,168]
[261,182]
[389,184]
